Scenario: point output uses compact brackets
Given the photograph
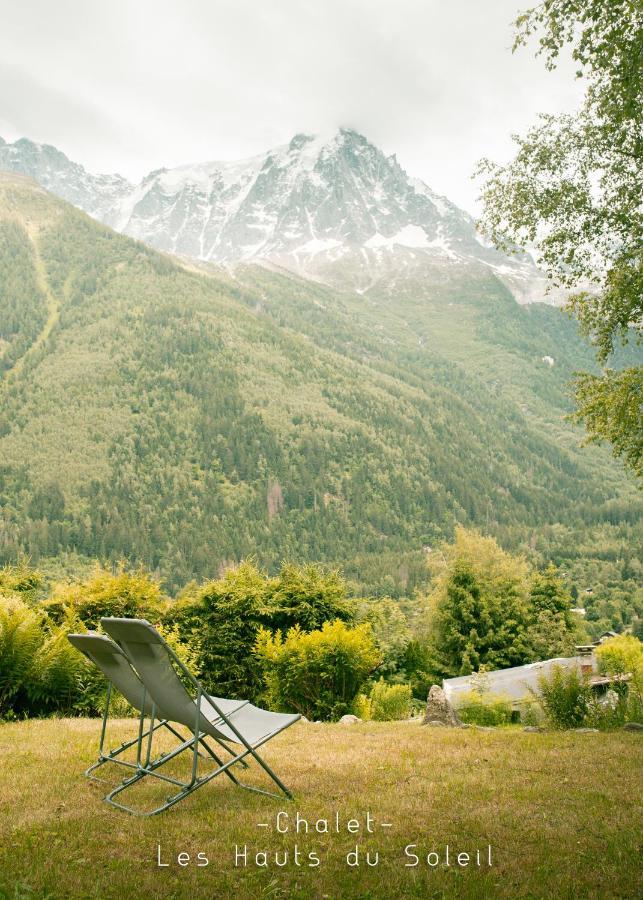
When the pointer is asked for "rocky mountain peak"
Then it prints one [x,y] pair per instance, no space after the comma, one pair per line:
[316,205]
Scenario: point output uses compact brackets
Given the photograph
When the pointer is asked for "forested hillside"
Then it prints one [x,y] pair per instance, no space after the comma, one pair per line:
[187,419]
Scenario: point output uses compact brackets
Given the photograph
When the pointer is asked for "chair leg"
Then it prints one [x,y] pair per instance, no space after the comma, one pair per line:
[195,783]
[113,754]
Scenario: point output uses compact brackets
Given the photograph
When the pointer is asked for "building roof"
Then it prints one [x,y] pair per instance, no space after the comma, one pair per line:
[515,683]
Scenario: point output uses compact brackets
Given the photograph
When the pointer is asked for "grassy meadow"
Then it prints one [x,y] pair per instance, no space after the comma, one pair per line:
[561,812]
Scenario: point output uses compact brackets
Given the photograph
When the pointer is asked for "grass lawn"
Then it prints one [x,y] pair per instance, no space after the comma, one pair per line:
[561,812]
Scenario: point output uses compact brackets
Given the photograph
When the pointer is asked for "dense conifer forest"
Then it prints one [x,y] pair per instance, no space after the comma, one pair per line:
[188,418]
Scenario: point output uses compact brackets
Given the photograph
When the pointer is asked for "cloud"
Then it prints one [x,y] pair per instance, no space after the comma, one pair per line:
[133,86]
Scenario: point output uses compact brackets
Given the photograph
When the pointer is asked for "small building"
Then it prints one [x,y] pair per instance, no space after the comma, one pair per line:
[517,684]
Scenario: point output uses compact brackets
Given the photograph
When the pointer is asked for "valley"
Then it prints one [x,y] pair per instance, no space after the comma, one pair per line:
[188,416]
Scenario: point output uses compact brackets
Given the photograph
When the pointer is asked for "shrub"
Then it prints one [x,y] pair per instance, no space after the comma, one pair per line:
[390,702]
[40,672]
[622,655]
[221,622]
[482,708]
[22,581]
[318,673]
[390,629]
[222,619]
[56,674]
[362,707]
[531,713]
[565,697]
[20,637]
[614,710]
[122,594]
[308,596]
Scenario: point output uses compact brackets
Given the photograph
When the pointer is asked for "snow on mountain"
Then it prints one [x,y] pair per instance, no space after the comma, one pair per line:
[309,206]
[98,195]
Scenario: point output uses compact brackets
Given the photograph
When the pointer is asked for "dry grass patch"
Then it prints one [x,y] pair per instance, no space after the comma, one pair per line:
[560,812]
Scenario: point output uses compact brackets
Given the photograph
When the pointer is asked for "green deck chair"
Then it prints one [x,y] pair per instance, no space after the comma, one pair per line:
[226,721]
[113,663]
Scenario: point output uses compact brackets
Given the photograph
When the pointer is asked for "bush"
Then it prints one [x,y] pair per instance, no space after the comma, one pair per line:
[614,710]
[531,713]
[40,672]
[120,594]
[481,708]
[222,619]
[362,707]
[390,630]
[318,673]
[308,596]
[622,655]
[20,637]
[22,581]
[390,702]
[565,697]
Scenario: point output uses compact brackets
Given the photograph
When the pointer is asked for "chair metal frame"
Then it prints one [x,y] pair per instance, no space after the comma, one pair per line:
[146,766]
[112,756]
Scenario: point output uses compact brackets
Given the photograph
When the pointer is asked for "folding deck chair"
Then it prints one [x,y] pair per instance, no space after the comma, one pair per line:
[225,721]
[112,662]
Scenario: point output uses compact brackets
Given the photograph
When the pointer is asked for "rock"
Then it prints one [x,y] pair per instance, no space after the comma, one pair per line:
[304,719]
[438,709]
[586,730]
[484,727]
[434,723]
[632,726]
[533,729]
[349,720]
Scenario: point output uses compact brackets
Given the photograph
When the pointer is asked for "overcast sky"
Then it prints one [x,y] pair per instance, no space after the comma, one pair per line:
[130,85]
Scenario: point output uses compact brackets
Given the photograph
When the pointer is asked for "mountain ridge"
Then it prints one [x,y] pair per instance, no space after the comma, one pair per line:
[334,209]
[187,419]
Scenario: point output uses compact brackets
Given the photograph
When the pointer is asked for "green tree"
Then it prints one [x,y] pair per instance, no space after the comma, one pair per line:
[574,191]
[391,632]
[308,596]
[479,613]
[553,630]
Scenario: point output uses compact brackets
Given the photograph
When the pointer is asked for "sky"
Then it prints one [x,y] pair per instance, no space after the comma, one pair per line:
[130,86]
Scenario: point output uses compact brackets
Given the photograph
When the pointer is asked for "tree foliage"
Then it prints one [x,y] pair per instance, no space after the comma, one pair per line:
[223,618]
[553,629]
[574,191]
[478,608]
[489,610]
[123,593]
[622,655]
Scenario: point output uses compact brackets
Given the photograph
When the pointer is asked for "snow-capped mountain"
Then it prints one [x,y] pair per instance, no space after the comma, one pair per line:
[98,195]
[318,206]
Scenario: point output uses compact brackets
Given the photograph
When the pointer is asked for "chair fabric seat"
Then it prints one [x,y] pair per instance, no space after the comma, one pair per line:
[253,723]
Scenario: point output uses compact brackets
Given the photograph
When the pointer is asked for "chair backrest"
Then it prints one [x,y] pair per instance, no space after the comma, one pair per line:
[152,659]
[110,659]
